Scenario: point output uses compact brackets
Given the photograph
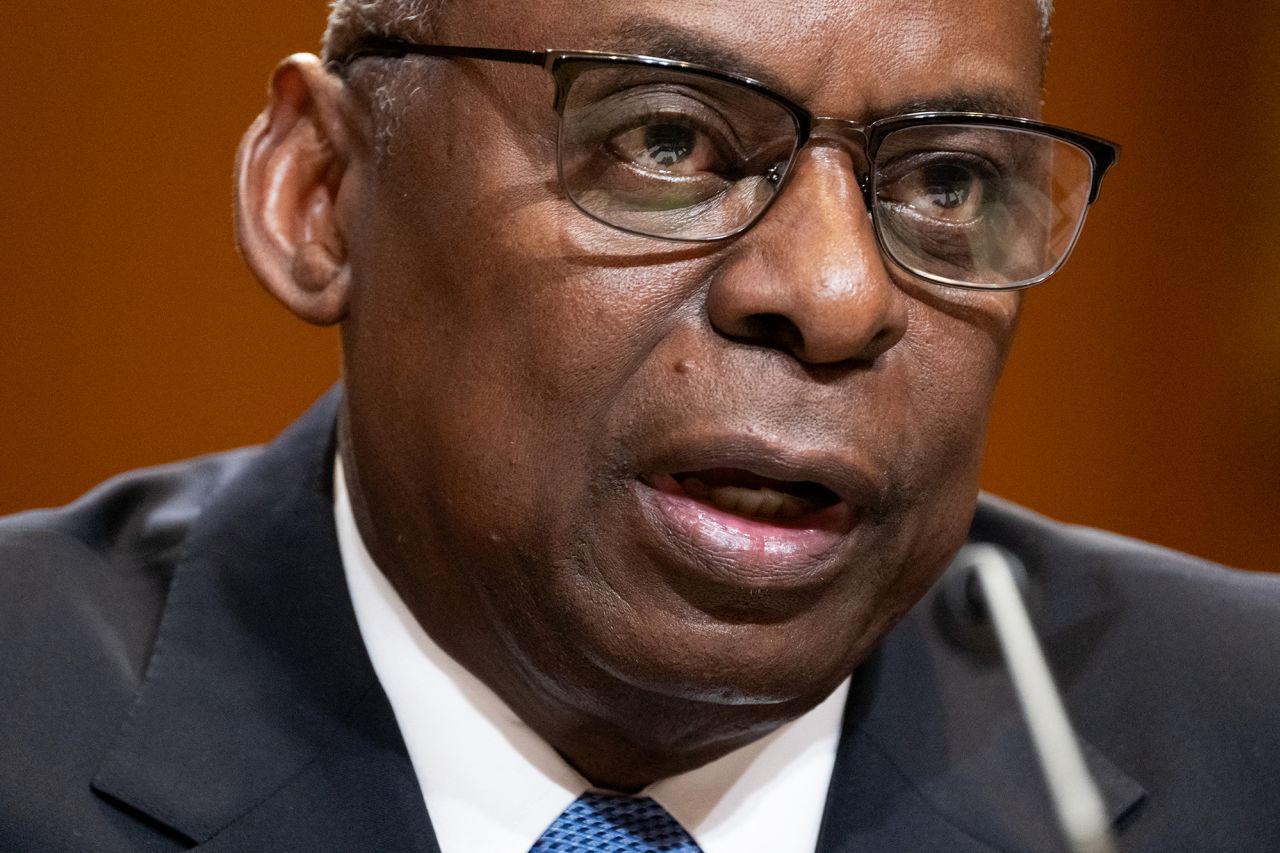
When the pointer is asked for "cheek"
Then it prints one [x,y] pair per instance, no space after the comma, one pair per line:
[956,348]
[946,371]
[511,348]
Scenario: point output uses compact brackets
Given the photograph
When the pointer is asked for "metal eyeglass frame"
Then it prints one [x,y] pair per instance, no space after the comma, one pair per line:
[565,65]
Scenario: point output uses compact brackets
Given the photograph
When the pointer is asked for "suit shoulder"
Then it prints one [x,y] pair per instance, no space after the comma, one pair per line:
[1181,628]
[1129,564]
[102,564]
[1189,635]
[134,516]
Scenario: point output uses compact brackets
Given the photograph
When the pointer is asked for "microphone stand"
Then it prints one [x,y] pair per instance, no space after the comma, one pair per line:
[1075,797]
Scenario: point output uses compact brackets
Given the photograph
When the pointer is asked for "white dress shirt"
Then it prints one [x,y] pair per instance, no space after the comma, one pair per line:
[492,785]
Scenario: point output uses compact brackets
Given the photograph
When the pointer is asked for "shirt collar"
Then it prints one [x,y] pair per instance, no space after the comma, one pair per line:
[490,783]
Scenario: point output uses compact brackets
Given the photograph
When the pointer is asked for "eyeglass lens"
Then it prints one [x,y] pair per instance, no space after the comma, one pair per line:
[670,154]
[979,205]
[686,156]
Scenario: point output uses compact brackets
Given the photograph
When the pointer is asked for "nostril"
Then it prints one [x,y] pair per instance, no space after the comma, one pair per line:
[773,330]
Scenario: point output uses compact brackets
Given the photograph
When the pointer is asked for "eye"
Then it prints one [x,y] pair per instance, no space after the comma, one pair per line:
[671,146]
[946,186]
[950,191]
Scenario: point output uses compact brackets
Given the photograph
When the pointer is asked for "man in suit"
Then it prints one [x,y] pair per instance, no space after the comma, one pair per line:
[666,357]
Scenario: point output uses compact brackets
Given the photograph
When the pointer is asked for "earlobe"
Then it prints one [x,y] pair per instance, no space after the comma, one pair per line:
[290,173]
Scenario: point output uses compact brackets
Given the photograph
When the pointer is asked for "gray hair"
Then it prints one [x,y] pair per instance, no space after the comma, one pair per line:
[350,19]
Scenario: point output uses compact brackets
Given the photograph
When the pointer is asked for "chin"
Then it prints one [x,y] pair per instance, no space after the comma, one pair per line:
[688,661]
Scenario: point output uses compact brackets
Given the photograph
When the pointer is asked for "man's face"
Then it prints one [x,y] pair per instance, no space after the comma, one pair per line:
[674,490]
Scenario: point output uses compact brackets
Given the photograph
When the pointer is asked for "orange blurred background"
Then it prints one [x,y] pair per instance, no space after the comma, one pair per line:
[1143,395]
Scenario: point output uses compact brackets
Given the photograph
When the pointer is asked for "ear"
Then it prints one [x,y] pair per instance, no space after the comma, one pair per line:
[292,172]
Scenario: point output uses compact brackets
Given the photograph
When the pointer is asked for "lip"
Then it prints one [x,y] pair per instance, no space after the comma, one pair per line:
[724,548]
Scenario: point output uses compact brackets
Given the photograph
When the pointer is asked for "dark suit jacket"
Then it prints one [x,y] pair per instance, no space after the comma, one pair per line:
[181,667]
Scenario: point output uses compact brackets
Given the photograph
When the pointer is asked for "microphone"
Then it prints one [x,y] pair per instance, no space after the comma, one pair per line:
[981,589]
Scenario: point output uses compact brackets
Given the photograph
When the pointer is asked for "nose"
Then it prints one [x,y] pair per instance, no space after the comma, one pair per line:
[809,279]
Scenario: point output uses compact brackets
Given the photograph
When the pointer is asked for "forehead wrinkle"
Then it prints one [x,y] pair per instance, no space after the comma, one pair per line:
[648,35]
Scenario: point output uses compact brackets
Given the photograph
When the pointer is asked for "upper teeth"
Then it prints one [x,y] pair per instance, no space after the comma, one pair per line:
[762,502]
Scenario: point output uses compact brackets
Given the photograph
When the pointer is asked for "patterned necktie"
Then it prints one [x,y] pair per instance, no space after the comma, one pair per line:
[601,823]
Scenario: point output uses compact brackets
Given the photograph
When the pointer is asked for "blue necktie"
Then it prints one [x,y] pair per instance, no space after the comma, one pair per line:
[600,823]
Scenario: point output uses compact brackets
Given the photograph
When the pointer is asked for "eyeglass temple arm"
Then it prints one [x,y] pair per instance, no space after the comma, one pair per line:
[396,48]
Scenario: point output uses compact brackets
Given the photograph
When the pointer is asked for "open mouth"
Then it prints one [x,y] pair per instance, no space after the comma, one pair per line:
[780,503]
[751,531]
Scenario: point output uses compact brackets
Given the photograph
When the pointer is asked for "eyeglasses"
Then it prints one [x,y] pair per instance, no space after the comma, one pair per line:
[683,152]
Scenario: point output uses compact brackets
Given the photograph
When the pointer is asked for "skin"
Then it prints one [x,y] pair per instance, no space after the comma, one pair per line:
[516,372]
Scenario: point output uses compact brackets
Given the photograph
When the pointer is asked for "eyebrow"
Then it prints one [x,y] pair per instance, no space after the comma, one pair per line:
[656,37]
[995,102]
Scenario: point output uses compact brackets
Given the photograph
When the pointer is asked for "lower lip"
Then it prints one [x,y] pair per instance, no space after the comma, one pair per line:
[748,552]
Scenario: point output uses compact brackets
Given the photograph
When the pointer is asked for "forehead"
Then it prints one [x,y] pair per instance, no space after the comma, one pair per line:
[853,58]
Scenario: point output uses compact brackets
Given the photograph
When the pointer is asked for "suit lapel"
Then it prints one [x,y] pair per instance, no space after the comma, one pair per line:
[260,723]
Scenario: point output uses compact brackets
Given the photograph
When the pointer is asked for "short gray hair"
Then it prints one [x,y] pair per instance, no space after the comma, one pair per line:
[1046,18]
[351,19]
